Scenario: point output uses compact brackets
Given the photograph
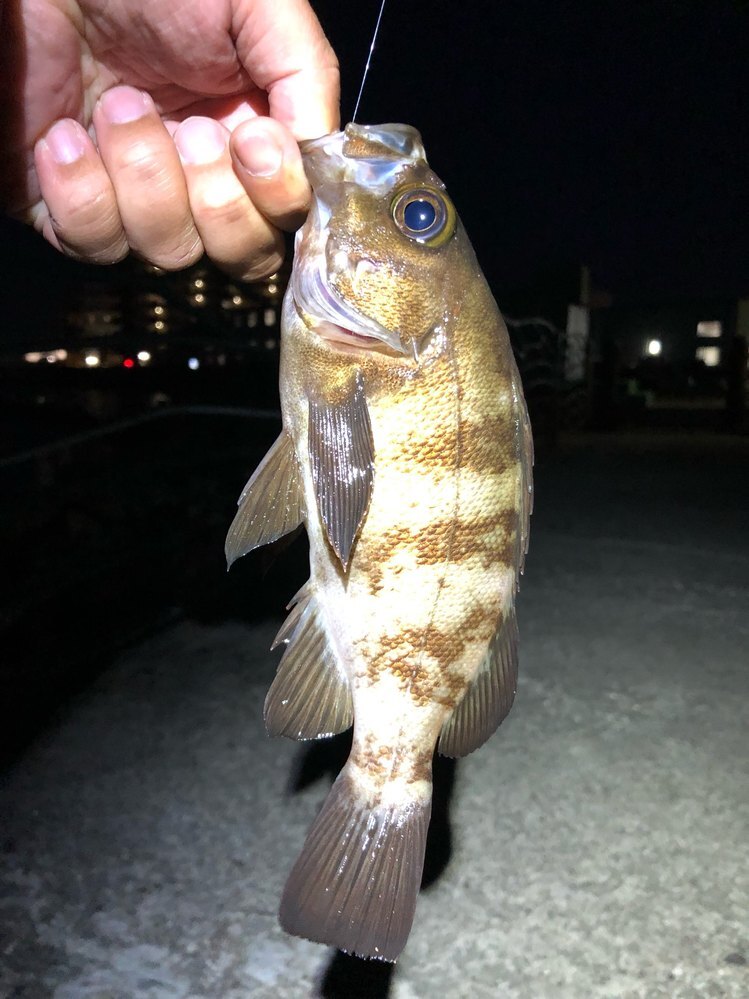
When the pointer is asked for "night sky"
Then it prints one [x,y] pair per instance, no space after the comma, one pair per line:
[611,133]
[607,133]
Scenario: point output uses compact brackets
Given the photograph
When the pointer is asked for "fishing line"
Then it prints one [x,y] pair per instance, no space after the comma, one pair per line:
[369,59]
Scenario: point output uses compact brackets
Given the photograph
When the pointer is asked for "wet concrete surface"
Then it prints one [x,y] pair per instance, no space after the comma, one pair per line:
[595,847]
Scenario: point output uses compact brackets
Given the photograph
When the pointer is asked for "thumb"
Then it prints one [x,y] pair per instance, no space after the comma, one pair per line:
[286,53]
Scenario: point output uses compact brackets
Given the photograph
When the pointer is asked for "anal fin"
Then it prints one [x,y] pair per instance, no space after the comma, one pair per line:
[489,698]
[356,882]
[310,697]
[271,502]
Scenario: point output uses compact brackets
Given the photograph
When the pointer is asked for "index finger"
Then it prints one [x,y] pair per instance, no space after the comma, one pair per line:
[285,51]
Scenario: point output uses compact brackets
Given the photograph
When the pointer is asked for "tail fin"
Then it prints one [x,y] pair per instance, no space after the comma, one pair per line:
[355,883]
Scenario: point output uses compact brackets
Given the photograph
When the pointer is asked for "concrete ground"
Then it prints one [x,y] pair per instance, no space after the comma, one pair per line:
[595,848]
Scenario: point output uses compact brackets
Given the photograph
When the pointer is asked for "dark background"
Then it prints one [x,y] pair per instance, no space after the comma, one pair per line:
[603,133]
[614,134]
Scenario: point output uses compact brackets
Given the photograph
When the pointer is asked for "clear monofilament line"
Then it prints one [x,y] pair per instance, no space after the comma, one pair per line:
[369,59]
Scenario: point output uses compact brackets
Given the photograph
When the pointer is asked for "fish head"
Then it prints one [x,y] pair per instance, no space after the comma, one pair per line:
[375,263]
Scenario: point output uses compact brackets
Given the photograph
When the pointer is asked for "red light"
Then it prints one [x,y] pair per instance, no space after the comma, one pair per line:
[128,363]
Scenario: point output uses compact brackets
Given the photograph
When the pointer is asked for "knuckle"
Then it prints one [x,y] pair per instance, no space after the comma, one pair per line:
[230,213]
[90,228]
[142,164]
[89,213]
[262,265]
[176,258]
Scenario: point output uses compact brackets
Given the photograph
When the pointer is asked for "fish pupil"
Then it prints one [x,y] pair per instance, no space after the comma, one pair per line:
[419,215]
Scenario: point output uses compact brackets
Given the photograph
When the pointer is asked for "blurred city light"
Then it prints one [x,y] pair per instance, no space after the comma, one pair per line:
[654,348]
[710,356]
[711,328]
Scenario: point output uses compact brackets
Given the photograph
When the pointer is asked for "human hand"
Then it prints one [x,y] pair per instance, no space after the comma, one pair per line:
[164,128]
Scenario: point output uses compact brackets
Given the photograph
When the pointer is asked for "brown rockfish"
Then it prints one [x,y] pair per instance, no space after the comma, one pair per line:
[406,452]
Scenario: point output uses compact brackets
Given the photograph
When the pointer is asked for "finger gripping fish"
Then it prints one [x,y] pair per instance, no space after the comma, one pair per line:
[406,452]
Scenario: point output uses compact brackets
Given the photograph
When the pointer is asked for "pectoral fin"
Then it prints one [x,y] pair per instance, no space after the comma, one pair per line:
[342,459]
[488,700]
[271,502]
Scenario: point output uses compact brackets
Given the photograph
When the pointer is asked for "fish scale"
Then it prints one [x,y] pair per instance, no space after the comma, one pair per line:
[406,453]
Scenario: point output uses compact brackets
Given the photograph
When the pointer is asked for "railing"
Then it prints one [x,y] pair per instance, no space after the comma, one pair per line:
[65,444]
[539,351]
[106,533]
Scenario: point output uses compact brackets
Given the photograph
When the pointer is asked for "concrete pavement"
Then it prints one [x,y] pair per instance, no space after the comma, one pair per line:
[595,848]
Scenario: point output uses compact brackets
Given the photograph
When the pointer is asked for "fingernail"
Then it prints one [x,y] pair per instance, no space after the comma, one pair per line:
[66,141]
[123,104]
[259,154]
[200,140]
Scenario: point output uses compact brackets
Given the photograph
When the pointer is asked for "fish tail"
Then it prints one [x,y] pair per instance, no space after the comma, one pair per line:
[356,881]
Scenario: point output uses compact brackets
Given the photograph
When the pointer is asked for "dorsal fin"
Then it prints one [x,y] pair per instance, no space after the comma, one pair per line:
[489,698]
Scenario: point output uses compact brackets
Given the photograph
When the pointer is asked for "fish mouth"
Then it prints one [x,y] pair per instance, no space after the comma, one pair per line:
[341,336]
[330,315]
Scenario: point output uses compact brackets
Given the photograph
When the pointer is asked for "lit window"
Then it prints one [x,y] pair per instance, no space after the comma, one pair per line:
[711,328]
[654,347]
[710,356]
[193,363]
[33,357]
[269,317]
[252,319]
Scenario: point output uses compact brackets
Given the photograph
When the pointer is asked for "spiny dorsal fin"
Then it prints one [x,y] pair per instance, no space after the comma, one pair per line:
[271,502]
[310,697]
[489,698]
[357,879]
[342,459]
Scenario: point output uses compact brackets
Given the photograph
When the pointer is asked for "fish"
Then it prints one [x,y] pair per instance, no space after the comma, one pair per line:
[406,453]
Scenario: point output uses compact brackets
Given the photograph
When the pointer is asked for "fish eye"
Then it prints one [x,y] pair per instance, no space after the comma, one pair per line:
[425,215]
[419,215]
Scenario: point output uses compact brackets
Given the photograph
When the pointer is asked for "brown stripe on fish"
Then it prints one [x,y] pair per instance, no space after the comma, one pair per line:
[411,762]
[438,679]
[472,445]
[490,538]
